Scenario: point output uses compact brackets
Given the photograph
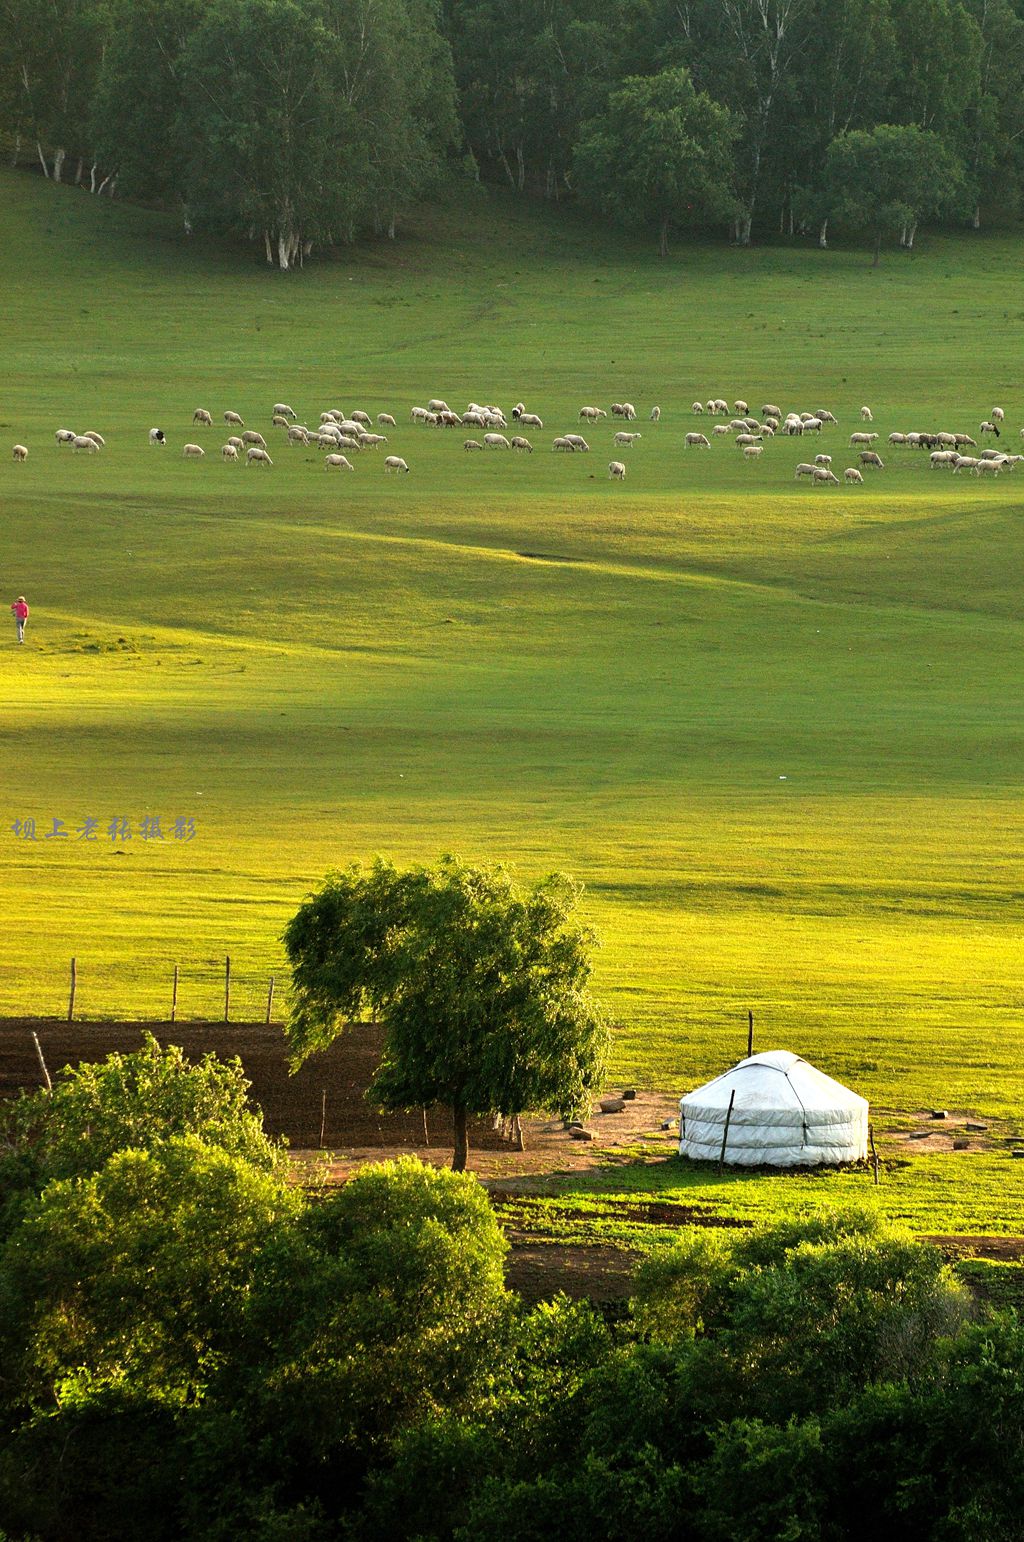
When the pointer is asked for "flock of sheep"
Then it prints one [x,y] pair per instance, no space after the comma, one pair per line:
[340,435]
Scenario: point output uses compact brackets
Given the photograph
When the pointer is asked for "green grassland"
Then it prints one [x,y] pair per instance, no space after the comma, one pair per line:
[777,731]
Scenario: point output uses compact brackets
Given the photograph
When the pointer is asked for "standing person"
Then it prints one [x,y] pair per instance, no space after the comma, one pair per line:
[20,610]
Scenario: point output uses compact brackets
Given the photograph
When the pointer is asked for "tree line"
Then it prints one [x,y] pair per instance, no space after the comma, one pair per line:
[303,123]
[191,1346]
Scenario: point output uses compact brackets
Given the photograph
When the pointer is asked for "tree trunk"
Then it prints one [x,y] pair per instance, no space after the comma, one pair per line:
[17,150]
[78,173]
[391,225]
[103,184]
[744,228]
[791,222]
[976,217]
[911,233]
[823,235]
[92,178]
[460,1156]
[663,238]
[517,1133]
[58,163]
[521,163]
[268,248]
[878,248]
[42,159]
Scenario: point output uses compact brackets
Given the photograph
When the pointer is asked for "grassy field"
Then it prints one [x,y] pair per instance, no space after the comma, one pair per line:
[776,731]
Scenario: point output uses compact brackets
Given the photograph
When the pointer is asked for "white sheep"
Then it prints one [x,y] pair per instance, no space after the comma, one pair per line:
[862,439]
[496,442]
[616,470]
[84,442]
[338,463]
[530,420]
[744,440]
[279,420]
[851,474]
[826,416]
[68,435]
[738,426]
[804,470]
[472,444]
[437,405]
[363,418]
[998,414]
[255,455]
[562,443]
[233,420]
[995,466]
[960,461]
[420,415]
[229,452]
[698,410]
[253,436]
[822,474]
[720,430]
[517,410]
[655,414]
[721,406]
[371,441]
[591,414]
[989,428]
[203,417]
[282,409]
[97,439]
[622,437]
[578,443]
[193,452]
[943,458]
[871,458]
[157,436]
[519,443]
[752,451]
[865,415]
[20,452]
[385,420]
[394,463]
[897,438]
[697,442]
[769,410]
[740,407]
[812,425]
[234,439]
[297,434]
[823,460]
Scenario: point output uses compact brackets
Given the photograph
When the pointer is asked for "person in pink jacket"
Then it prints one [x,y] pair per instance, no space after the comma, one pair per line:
[20,610]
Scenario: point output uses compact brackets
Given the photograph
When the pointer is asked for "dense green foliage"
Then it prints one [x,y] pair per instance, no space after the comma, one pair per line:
[349,1367]
[481,987]
[298,123]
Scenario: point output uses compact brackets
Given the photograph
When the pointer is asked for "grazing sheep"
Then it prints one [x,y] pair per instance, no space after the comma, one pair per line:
[448,419]
[720,430]
[234,439]
[203,417]
[822,474]
[862,439]
[812,425]
[437,405]
[998,414]
[363,418]
[752,424]
[897,438]
[394,463]
[743,440]
[474,419]
[804,470]
[794,426]
[495,417]
[591,414]
[97,439]
[327,441]
[995,466]
[752,451]
[279,420]
[256,456]
[865,415]
[519,443]
[229,452]
[371,441]
[156,436]
[616,470]
[943,458]
[961,439]
[20,452]
[517,411]
[740,407]
[851,474]
[338,463]
[697,409]
[252,436]
[496,442]
[946,439]
[529,420]
[561,443]
[738,426]
[623,438]
[624,410]
[989,428]
[768,427]
[769,410]
[823,460]
[385,420]
[655,414]
[282,409]
[697,442]
[233,420]
[721,406]
[826,416]
[472,444]
[192,452]
[421,415]
[297,434]
[970,461]
[578,442]
[992,455]
[871,458]
[84,442]
[68,435]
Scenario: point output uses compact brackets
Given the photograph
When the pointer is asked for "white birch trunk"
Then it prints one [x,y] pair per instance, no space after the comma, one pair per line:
[823,235]
[17,150]
[92,178]
[910,234]
[58,163]
[42,158]
[268,248]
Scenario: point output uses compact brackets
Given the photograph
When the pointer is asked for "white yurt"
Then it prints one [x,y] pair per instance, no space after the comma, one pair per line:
[785,1113]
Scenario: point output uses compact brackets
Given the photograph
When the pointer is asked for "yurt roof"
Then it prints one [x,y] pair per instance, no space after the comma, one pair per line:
[776,1079]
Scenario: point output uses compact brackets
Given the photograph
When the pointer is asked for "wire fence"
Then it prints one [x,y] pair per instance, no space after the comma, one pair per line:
[188,989]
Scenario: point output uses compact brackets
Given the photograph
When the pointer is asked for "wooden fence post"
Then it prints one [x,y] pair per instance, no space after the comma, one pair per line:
[42,1062]
[74,987]
[323,1117]
[750,1034]
[725,1132]
[227,987]
[874,1153]
[174,995]
[270,998]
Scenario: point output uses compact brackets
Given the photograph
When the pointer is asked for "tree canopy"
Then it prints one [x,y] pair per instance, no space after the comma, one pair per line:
[480,985]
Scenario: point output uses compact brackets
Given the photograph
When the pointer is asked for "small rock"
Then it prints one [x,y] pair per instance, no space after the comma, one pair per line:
[940,1113]
[628,1094]
[612,1105]
[961,1145]
[582,1134]
[919,1135]
[969,1126]
[1019,1152]
[669,1124]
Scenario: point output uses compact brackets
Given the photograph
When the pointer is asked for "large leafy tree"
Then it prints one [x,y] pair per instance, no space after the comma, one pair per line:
[661,154]
[51,57]
[886,180]
[481,987]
